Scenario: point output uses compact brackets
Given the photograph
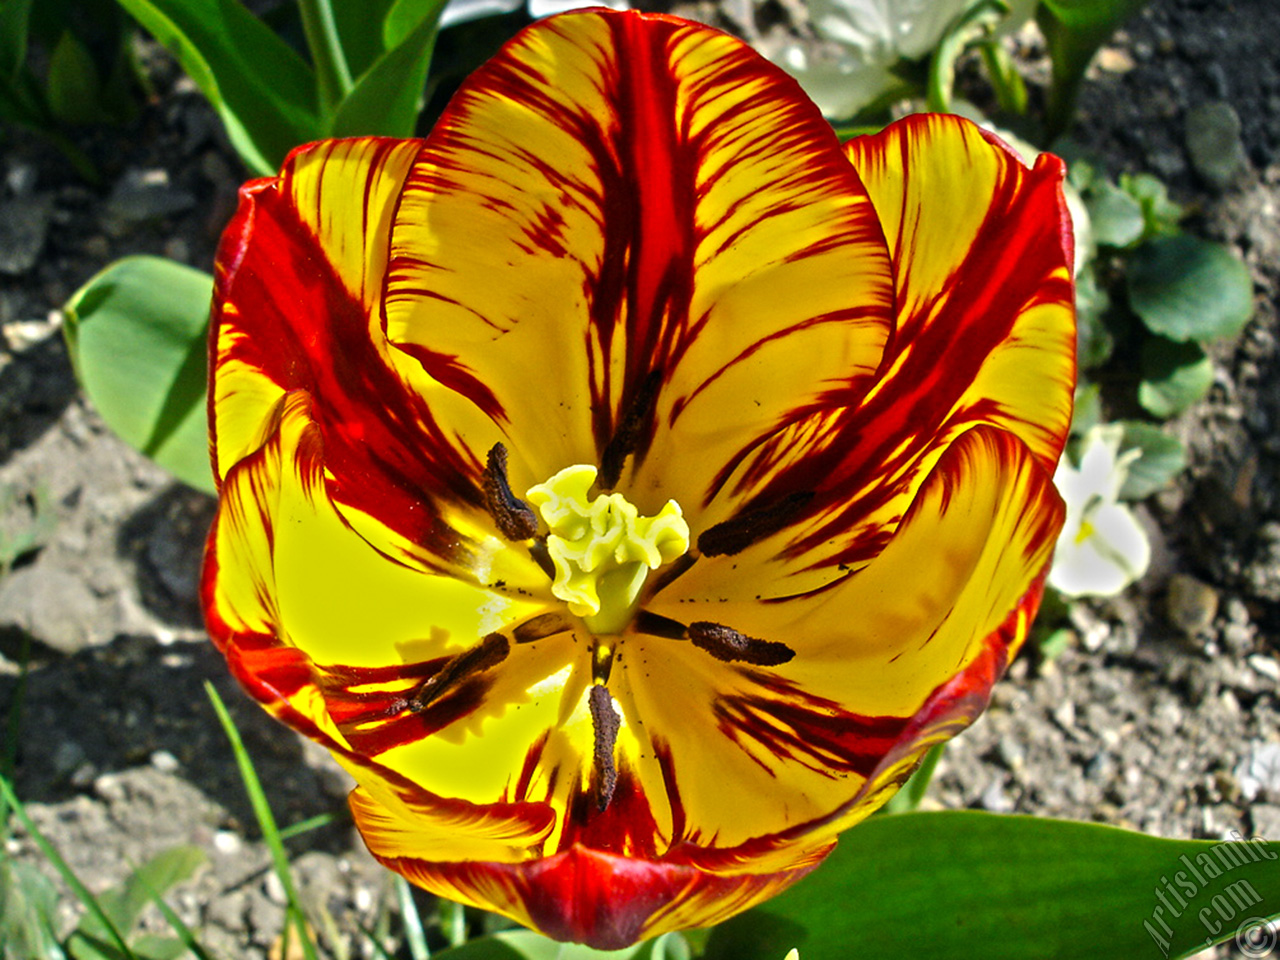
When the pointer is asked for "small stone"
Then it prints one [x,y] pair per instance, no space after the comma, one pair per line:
[24,225]
[1114,60]
[226,842]
[147,195]
[1191,605]
[165,762]
[1265,666]
[273,888]
[1214,144]
[111,788]
[21,178]
[1259,770]
[995,799]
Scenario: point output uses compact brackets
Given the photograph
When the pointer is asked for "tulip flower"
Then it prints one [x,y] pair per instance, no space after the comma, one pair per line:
[627,482]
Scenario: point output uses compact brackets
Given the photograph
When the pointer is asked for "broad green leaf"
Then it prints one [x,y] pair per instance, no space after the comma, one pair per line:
[15,22]
[1185,288]
[958,885]
[1174,376]
[388,97]
[263,91]
[1073,31]
[1115,216]
[74,89]
[124,904]
[1163,458]
[137,334]
[28,911]
[360,30]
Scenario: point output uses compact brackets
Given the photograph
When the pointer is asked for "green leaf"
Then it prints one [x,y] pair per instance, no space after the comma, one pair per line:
[1161,215]
[1185,288]
[957,885]
[389,95]
[1087,411]
[263,91]
[360,30]
[152,946]
[1174,376]
[137,335]
[1163,458]
[1073,31]
[74,88]
[156,877]
[10,800]
[28,908]
[1115,216]
[15,24]
[1094,339]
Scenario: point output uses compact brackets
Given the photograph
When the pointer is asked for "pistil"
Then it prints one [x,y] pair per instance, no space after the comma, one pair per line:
[602,550]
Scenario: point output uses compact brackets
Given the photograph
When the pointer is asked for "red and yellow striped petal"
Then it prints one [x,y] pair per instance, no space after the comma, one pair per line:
[687,261]
[297,307]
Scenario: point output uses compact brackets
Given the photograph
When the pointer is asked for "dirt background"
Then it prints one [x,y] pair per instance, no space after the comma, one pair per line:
[1162,716]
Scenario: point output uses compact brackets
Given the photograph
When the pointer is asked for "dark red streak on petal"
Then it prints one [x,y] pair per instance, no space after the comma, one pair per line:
[304,331]
[1004,273]
[800,728]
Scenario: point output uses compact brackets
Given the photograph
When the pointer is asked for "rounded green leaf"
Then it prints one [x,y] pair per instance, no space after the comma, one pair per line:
[1116,217]
[137,334]
[956,885]
[1163,458]
[1174,376]
[1186,289]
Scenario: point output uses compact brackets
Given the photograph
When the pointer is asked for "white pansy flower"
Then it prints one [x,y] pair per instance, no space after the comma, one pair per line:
[1102,548]
[867,39]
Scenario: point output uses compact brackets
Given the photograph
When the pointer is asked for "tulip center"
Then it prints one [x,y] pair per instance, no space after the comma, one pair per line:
[601,548]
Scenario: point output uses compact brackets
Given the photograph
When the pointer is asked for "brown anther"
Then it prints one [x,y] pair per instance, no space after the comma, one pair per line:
[490,652]
[734,536]
[605,724]
[725,643]
[515,520]
[543,625]
[628,435]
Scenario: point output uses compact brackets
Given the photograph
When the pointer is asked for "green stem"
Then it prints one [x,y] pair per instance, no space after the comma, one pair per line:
[332,71]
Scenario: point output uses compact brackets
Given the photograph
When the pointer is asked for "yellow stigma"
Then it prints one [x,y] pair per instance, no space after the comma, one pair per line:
[603,549]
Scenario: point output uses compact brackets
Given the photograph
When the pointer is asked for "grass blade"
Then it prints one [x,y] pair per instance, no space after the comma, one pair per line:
[414,935]
[64,869]
[267,823]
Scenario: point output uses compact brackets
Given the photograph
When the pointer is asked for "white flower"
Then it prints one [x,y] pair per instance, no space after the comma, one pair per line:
[869,38]
[1102,548]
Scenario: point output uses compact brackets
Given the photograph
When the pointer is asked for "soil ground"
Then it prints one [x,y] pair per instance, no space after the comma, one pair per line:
[1162,716]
